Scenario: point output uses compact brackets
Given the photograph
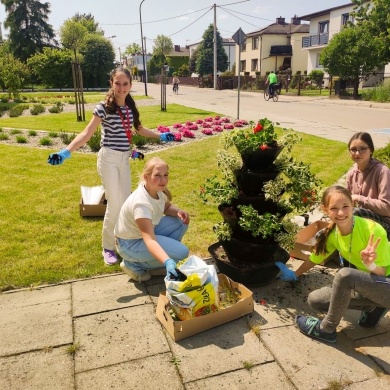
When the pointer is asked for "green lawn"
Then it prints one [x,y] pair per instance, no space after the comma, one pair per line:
[43,239]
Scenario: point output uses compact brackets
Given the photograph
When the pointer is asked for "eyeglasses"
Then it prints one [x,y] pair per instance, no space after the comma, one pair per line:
[360,150]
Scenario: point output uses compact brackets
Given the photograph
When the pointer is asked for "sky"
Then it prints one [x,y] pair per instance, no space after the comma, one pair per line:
[184,21]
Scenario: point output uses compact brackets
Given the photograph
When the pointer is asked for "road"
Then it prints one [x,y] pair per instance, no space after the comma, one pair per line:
[328,118]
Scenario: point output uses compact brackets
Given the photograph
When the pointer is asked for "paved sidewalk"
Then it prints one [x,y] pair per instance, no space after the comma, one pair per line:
[110,324]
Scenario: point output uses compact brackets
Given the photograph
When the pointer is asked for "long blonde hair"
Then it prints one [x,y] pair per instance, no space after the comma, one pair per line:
[148,169]
[320,246]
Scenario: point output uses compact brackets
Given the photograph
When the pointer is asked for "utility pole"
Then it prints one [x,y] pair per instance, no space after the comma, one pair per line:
[120,56]
[143,49]
[215,47]
[146,62]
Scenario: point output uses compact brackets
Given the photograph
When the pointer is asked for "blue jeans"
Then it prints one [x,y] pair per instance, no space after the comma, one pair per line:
[169,233]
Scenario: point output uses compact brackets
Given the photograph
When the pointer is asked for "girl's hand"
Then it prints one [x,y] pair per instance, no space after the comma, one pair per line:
[184,216]
[368,255]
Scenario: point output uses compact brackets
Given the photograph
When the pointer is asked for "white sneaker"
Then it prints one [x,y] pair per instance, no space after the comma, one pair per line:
[134,275]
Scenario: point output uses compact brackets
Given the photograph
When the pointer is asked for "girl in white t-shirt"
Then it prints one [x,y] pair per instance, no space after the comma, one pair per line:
[150,228]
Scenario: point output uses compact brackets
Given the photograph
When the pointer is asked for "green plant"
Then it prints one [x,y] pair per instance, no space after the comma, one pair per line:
[67,138]
[72,349]
[4,137]
[94,142]
[15,131]
[20,139]
[45,141]
[57,108]
[37,109]
[16,111]
[32,133]
[248,365]
[53,134]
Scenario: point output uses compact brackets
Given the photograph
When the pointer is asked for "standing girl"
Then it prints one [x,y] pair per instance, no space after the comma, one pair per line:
[369,181]
[117,115]
[150,227]
[364,285]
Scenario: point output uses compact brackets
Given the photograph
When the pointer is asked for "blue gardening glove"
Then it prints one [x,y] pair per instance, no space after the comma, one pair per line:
[59,157]
[170,266]
[286,274]
[167,137]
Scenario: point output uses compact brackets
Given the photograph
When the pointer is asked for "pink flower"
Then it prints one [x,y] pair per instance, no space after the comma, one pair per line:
[218,128]
[226,120]
[199,121]
[228,126]
[217,117]
[209,119]
[206,125]
[193,127]
[238,124]
[177,136]
[207,131]
[188,133]
[217,123]
[163,129]
[188,123]
[177,126]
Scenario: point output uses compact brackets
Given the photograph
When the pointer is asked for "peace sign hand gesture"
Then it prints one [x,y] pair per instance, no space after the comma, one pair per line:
[368,254]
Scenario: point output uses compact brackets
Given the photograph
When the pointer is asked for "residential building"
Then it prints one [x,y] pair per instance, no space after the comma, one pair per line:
[323,25]
[275,47]
[230,49]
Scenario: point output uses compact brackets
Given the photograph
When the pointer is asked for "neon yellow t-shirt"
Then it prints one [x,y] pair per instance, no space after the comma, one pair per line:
[360,235]
[272,78]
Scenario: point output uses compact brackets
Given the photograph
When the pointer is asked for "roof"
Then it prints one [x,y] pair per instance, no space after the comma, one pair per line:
[281,29]
[324,12]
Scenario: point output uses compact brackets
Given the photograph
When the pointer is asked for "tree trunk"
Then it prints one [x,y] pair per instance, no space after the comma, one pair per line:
[356,82]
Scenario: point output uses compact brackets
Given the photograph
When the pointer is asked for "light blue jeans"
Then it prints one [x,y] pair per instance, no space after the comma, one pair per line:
[169,233]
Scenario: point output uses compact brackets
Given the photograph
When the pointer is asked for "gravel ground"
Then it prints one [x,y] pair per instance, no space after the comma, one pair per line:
[56,142]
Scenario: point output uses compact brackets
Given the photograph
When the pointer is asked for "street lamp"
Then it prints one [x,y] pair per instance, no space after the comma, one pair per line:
[143,49]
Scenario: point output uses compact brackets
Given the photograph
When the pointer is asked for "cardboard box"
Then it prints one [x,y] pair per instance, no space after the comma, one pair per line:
[93,210]
[182,329]
[305,240]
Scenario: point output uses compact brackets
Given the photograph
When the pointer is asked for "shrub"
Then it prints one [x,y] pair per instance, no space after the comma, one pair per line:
[32,133]
[21,139]
[16,111]
[4,137]
[67,138]
[37,109]
[53,134]
[57,108]
[15,131]
[45,141]
[383,154]
[139,140]
[94,142]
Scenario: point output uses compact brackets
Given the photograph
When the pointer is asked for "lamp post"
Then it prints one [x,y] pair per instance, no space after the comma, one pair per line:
[143,49]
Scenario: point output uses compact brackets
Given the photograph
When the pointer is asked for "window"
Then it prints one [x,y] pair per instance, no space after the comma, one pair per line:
[324,27]
[243,66]
[255,64]
[255,43]
[345,18]
[318,61]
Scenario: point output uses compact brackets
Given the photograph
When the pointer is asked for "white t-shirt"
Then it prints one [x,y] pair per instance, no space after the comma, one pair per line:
[139,205]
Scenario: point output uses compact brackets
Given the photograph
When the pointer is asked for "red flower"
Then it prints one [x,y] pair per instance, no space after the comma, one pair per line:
[258,128]
[264,147]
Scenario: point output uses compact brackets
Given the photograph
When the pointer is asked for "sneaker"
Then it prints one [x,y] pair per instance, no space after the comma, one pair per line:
[135,275]
[371,319]
[109,257]
[310,326]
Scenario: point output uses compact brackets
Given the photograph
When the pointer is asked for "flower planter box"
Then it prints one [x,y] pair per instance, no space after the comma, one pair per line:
[179,330]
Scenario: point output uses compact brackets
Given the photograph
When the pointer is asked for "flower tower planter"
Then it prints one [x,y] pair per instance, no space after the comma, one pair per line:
[248,245]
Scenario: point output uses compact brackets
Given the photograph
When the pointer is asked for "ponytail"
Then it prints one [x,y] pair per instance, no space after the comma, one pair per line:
[322,238]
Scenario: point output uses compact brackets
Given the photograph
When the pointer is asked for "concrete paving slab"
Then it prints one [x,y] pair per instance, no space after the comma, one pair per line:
[263,376]
[45,370]
[378,348]
[153,372]
[37,319]
[118,336]
[312,364]
[219,350]
[107,293]
[382,382]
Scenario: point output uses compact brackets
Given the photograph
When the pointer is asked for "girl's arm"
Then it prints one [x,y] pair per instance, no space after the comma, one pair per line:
[173,211]
[82,138]
[147,231]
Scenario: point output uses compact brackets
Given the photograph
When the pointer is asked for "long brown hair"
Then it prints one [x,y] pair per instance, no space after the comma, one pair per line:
[148,169]
[110,103]
[320,246]
[365,137]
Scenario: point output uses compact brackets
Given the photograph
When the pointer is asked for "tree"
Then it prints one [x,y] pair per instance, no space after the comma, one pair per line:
[205,60]
[53,67]
[29,30]
[132,49]
[98,60]
[162,47]
[13,73]
[88,21]
[192,61]
[184,71]
[72,35]
[353,54]
[374,16]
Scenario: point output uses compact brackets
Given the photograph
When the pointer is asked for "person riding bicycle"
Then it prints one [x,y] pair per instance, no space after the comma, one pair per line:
[272,81]
[175,83]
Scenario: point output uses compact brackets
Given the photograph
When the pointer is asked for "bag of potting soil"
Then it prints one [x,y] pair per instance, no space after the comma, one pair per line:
[198,294]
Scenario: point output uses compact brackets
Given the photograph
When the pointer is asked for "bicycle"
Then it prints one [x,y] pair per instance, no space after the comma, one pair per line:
[275,95]
[176,88]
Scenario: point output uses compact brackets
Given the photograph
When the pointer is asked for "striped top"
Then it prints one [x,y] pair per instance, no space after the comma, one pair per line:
[113,135]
